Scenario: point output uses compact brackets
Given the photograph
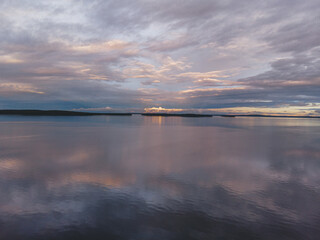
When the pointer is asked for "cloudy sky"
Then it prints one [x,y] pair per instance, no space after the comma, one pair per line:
[217,56]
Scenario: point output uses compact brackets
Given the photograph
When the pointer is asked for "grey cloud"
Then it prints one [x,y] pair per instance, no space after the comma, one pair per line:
[302,67]
[210,35]
[171,45]
[267,97]
[73,94]
[297,37]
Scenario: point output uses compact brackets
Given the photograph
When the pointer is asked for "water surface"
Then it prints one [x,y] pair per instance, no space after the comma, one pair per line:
[110,177]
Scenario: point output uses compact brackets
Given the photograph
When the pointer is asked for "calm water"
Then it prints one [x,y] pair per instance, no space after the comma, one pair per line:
[159,178]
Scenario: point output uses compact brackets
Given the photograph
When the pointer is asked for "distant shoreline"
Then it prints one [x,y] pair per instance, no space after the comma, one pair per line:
[76,113]
[175,115]
[57,113]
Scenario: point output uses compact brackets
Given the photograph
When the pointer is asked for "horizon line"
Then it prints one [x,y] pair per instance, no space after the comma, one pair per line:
[57,112]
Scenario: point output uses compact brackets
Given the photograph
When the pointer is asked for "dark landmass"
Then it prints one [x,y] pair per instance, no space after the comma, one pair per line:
[56,113]
[227,116]
[75,113]
[176,114]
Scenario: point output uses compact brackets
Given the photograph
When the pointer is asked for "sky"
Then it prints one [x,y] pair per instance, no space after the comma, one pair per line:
[201,56]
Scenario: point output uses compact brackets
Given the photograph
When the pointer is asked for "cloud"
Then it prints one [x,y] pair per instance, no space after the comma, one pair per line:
[195,54]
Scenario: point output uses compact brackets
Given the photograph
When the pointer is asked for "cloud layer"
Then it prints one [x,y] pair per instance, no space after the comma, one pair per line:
[207,56]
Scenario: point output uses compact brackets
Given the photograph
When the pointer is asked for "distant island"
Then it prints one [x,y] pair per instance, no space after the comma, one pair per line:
[176,115]
[76,113]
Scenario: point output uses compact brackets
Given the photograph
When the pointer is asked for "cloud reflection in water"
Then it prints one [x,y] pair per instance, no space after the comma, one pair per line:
[187,179]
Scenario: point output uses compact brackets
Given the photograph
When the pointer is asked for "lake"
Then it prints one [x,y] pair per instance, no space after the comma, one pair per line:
[120,177]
